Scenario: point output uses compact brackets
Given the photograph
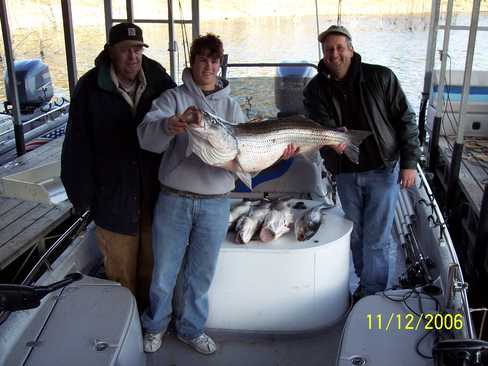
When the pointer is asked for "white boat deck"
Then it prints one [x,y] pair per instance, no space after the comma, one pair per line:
[260,348]
[319,348]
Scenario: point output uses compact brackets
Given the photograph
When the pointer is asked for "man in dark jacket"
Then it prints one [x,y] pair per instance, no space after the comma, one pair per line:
[349,93]
[103,168]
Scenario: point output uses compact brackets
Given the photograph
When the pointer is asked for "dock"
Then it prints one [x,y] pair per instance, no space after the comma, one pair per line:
[473,175]
[466,211]
[25,224]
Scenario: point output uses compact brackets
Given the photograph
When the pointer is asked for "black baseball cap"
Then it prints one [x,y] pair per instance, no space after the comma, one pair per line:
[126,32]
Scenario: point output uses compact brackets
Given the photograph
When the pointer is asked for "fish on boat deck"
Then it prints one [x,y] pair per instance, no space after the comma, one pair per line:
[277,221]
[247,225]
[248,148]
[242,208]
[309,222]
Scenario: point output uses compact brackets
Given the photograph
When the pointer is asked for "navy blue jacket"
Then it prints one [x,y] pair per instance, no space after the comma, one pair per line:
[103,167]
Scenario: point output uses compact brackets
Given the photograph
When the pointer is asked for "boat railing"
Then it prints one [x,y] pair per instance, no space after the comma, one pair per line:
[430,257]
[226,65]
[72,232]
[263,94]
[455,281]
[454,285]
[47,114]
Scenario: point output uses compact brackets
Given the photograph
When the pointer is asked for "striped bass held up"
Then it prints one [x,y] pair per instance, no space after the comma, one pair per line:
[248,148]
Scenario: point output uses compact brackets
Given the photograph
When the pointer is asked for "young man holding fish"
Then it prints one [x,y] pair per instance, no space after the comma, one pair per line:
[349,93]
[192,211]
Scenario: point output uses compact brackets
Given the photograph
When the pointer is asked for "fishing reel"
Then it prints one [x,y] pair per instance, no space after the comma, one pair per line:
[414,274]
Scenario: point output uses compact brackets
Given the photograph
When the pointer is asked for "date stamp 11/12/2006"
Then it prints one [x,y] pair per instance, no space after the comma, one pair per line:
[414,322]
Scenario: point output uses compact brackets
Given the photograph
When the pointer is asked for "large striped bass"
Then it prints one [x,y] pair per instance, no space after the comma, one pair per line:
[248,148]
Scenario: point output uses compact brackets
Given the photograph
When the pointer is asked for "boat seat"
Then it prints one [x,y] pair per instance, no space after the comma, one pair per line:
[364,343]
[298,175]
[91,322]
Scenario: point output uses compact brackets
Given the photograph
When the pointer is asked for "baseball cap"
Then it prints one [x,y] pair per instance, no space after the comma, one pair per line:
[334,29]
[125,32]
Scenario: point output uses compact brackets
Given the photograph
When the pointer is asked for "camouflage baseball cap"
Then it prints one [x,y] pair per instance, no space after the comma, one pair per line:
[334,29]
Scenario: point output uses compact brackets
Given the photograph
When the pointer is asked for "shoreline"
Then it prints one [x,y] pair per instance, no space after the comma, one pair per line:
[346,19]
[90,12]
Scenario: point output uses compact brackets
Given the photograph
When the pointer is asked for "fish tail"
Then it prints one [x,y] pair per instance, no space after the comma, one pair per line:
[356,137]
[246,178]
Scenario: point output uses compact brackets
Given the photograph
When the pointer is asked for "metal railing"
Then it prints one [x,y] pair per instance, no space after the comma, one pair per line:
[73,231]
[37,118]
[79,225]
[457,280]
[226,65]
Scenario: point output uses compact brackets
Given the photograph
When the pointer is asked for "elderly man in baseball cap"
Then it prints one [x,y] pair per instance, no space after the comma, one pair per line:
[125,47]
[349,93]
[103,168]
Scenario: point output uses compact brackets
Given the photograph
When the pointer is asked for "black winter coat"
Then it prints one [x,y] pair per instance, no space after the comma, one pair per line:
[103,167]
[387,112]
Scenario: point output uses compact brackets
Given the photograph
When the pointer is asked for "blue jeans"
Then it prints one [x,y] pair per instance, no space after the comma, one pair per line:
[195,228]
[368,200]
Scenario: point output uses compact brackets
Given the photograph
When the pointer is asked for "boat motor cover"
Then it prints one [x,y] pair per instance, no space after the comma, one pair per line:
[93,323]
[34,83]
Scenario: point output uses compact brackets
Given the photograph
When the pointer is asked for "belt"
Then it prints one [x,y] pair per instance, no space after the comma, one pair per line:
[185,194]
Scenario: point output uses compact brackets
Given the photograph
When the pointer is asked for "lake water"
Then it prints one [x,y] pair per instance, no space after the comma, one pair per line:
[397,42]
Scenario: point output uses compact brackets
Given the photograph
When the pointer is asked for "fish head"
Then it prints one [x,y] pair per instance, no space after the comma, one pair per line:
[212,140]
[239,222]
[270,226]
[238,210]
[210,120]
[307,225]
[207,125]
[246,230]
[305,232]
[276,223]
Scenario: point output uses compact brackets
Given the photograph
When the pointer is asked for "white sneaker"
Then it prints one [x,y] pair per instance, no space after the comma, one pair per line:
[203,344]
[152,341]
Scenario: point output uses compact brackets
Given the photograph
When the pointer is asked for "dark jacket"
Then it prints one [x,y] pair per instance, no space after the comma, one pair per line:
[385,107]
[103,167]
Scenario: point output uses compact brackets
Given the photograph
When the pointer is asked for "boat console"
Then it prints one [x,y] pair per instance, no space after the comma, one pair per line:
[284,285]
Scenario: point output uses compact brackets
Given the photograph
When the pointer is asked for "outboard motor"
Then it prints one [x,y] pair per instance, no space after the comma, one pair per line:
[34,84]
[289,84]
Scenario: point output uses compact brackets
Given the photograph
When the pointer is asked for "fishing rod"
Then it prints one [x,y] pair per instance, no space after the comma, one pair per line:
[419,265]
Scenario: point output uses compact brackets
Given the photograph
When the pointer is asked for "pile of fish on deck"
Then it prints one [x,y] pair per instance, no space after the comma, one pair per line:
[268,220]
